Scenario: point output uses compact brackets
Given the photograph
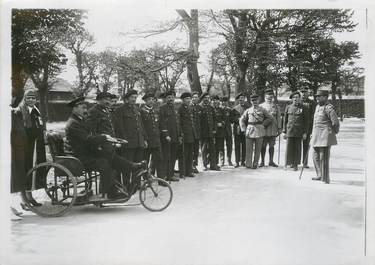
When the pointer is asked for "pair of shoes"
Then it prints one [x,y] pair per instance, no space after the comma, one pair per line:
[230,163]
[191,175]
[317,178]
[306,166]
[195,170]
[33,202]
[237,165]
[205,168]
[254,167]
[272,164]
[181,176]
[295,168]
[173,179]
[261,164]
[215,168]
[242,164]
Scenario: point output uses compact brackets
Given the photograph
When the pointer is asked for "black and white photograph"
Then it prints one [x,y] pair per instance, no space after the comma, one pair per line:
[177,133]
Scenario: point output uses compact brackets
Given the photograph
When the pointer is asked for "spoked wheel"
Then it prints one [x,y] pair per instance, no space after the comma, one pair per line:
[52,190]
[155,194]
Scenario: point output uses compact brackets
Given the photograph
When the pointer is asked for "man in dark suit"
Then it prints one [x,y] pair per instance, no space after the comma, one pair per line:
[169,121]
[208,130]
[239,136]
[228,136]
[128,125]
[188,133]
[95,150]
[196,109]
[99,117]
[220,129]
[151,123]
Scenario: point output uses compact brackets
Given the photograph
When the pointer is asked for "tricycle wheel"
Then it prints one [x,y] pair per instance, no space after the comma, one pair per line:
[155,194]
[51,190]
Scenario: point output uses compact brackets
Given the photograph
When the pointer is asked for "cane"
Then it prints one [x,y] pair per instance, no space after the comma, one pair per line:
[304,160]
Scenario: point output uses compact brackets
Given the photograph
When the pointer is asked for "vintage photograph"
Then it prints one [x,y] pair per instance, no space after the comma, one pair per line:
[156,135]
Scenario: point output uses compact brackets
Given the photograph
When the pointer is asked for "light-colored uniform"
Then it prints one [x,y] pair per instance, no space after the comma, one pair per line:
[325,127]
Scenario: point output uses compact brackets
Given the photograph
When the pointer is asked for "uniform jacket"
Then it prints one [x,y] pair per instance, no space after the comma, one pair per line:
[151,123]
[310,106]
[197,112]
[186,120]
[208,126]
[169,121]
[100,121]
[326,126]
[128,125]
[276,125]
[253,122]
[236,114]
[219,120]
[296,121]
[83,142]
[227,121]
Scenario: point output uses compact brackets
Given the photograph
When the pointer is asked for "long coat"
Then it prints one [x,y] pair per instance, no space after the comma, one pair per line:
[197,112]
[296,122]
[187,126]
[151,123]
[227,121]
[276,125]
[310,106]
[128,125]
[100,121]
[208,126]
[169,121]
[219,120]
[326,126]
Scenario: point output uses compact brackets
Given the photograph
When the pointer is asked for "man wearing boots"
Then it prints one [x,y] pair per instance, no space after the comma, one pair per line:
[326,126]
[273,130]
[228,130]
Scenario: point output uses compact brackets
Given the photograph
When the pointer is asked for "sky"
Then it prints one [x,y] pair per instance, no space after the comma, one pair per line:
[108,22]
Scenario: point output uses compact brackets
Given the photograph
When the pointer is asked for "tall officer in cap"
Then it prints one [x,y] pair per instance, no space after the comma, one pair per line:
[99,117]
[228,136]
[253,123]
[273,130]
[309,105]
[151,123]
[295,130]
[94,149]
[239,136]
[128,125]
[208,131]
[169,121]
[220,128]
[326,126]
[197,112]
[188,133]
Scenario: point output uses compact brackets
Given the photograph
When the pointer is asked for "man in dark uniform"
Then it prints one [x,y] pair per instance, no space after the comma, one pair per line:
[208,130]
[294,129]
[220,129]
[228,130]
[128,125]
[150,119]
[239,136]
[309,105]
[94,150]
[186,120]
[169,121]
[196,109]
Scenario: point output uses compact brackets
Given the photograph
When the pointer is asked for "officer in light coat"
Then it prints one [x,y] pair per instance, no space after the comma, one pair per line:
[253,123]
[325,127]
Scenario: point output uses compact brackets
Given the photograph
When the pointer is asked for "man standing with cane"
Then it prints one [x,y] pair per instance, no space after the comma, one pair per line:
[326,126]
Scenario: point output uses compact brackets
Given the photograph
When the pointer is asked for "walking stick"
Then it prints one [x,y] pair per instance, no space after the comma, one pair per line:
[304,160]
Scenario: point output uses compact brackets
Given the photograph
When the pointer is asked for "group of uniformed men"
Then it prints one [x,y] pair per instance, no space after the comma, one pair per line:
[166,134]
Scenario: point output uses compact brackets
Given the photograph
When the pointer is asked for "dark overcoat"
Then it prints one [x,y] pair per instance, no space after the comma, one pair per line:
[151,123]
[186,118]
[169,121]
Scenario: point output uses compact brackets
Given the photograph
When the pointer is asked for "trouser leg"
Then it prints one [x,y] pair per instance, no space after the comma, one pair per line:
[258,147]
[180,158]
[316,160]
[298,147]
[157,161]
[325,153]
[104,168]
[219,147]
[188,158]
[166,152]
[305,145]
[249,152]
[237,148]
[263,149]
[195,152]
[229,145]
[271,147]
[128,154]
[212,155]
[174,149]
[205,151]
[243,148]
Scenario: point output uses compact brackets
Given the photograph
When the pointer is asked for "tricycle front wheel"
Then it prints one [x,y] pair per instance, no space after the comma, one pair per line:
[155,194]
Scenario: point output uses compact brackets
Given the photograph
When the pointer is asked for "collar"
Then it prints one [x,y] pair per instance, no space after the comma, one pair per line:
[31,108]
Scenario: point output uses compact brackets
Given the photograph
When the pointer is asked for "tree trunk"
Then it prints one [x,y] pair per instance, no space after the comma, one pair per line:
[43,102]
[19,78]
[241,79]
[261,78]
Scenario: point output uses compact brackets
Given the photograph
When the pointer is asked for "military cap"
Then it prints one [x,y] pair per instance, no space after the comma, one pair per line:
[269,92]
[30,92]
[113,96]
[224,98]
[240,95]
[215,97]
[294,93]
[130,92]
[185,95]
[195,93]
[170,93]
[254,96]
[75,102]
[102,95]
[204,94]
[321,92]
[148,95]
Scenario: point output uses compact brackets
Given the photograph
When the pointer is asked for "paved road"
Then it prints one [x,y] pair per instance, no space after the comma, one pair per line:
[236,216]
